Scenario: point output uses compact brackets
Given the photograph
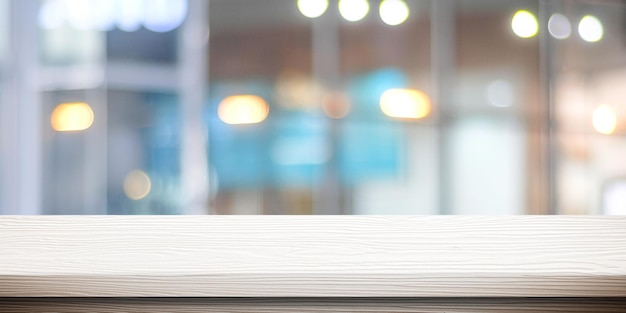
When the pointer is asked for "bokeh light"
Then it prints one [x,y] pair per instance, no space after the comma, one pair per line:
[394,12]
[500,93]
[312,8]
[604,120]
[405,103]
[74,116]
[524,24]
[297,91]
[243,109]
[164,15]
[80,14]
[336,105]
[353,10]
[129,16]
[51,14]
[590,29]
[104,15]
[137,185]
[559,26]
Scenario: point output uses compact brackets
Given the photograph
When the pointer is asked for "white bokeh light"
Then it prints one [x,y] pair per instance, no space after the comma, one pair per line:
[405,103]
[51,14]
[104,15]
[394,12]
[80,14]
[604,119]
[524,24]
[164,15]
[559,27]
[500,93]
[129,15]
[312,8]
[353,10]
[590,29]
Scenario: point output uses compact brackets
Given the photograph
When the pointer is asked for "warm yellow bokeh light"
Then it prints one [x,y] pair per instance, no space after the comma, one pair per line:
[312,8]
[297,91]
[524,24]
[405,103]
[243,109]
[604,120]
[394,12]
[137,185]
[353,10]
[74,116]
[590,29]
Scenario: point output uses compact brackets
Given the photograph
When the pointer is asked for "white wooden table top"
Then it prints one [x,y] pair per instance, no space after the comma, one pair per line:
[312,256]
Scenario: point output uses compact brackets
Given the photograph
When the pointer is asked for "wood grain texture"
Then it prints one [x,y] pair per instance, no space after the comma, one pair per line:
[313,256]
[309,305]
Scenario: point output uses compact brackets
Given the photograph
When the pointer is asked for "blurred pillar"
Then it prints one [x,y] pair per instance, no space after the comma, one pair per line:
[443,60]
[192,77]
[549,144]
[95,149]
[21,120]
[329,196]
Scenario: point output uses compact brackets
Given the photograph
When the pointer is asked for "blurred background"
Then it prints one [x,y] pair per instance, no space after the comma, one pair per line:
[312,107]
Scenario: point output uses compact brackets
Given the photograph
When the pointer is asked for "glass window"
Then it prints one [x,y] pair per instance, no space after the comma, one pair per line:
[589,70]
[111,115]
[268,141]
[312,107]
